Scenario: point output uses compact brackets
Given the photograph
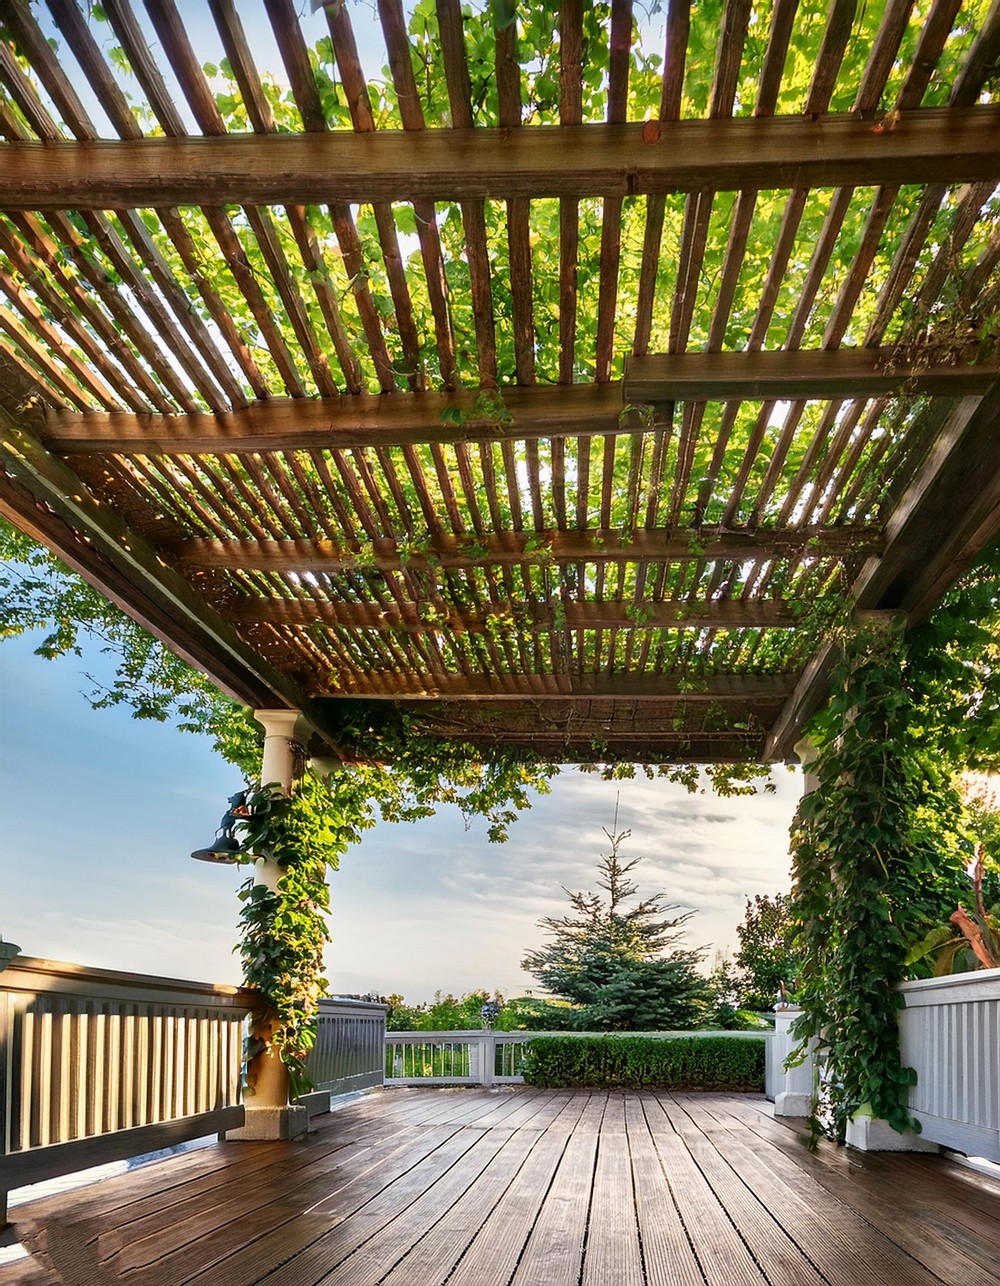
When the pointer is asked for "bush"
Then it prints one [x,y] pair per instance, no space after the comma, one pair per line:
[646,1062]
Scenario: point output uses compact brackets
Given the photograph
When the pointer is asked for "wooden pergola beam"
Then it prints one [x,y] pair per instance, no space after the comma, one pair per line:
[44,498]
[570,748]
[730,613]
[932,145]
[573,410]
[499,691]
[856,373]
[359,420]
[946,517]
[516,548]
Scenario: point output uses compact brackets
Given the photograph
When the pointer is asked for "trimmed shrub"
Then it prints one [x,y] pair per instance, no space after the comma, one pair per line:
[646,1062]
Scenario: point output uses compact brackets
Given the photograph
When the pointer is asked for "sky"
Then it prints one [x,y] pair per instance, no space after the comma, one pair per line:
[99,813]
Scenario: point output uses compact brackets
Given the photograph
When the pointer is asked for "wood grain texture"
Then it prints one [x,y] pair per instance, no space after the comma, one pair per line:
[488,1188]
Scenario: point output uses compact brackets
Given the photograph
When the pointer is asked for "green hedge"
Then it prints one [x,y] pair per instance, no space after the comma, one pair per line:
[646,1062]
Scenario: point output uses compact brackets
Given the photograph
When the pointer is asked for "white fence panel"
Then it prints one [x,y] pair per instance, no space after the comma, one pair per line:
[950,1033]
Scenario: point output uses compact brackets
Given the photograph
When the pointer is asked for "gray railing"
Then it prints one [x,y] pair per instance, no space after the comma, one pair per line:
[98,1065]
[349,1049]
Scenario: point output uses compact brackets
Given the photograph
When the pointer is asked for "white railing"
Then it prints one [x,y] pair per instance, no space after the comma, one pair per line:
[455,1057]
[98,1065]
[482,1057]
[350,1046]
[950,1033]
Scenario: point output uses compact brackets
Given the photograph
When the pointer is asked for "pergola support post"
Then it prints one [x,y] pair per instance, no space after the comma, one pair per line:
[795,1086]
[269,1115]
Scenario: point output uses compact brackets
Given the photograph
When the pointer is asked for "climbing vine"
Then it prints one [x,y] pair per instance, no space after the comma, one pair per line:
[284,929]
[878,856]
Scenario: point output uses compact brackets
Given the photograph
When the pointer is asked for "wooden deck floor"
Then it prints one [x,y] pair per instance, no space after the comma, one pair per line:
[535,1188]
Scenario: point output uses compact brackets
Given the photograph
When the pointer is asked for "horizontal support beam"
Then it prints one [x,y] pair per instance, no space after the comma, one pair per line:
[933,145]
[649,749]
[516,548]
[361,420]
[489,691]
[730,613]
[856,373]
[515,414]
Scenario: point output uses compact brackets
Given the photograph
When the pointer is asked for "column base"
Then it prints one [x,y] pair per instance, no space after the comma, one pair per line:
[265,1123]
[872,1134]
[788,1103]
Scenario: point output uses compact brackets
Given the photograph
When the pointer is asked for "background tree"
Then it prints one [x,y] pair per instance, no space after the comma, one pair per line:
[608,958]
[766,957]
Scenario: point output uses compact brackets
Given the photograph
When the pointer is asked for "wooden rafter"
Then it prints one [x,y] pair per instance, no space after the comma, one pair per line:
[501,690]
[928,146]
[40,493]
[579,410]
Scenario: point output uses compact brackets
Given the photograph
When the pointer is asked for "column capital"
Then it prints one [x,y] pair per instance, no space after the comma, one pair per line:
[278,723]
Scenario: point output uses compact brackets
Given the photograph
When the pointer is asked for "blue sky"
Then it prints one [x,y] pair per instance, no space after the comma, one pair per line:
[100,812]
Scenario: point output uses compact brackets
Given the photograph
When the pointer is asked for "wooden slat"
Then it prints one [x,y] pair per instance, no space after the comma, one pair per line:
[950,145]
[356,89]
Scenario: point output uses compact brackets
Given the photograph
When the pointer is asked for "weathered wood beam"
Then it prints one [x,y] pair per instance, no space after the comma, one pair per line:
[946,517]
[39,494]
[940,145]
[762,376]
[649,749]
[386,420]
[539,411]
[732,613]
[513,548]
[489,691]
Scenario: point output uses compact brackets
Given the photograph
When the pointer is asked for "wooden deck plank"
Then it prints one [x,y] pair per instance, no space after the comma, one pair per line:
[669,1255]
[554,1251]
[613,1252]
[519,1187]
[380,1253]
[496,1246]
[210,1233]
[849,1177]
[432,1258]
[721,1251]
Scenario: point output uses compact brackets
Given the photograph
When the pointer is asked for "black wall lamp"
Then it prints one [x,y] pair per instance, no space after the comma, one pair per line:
[225,849]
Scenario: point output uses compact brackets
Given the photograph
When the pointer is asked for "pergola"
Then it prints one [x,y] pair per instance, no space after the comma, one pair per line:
[560,396]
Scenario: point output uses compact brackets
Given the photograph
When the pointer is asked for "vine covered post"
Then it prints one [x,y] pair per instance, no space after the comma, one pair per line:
[868,873]
[269,1114]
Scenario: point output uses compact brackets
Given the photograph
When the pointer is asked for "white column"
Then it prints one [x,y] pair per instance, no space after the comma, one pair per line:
[278,765]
